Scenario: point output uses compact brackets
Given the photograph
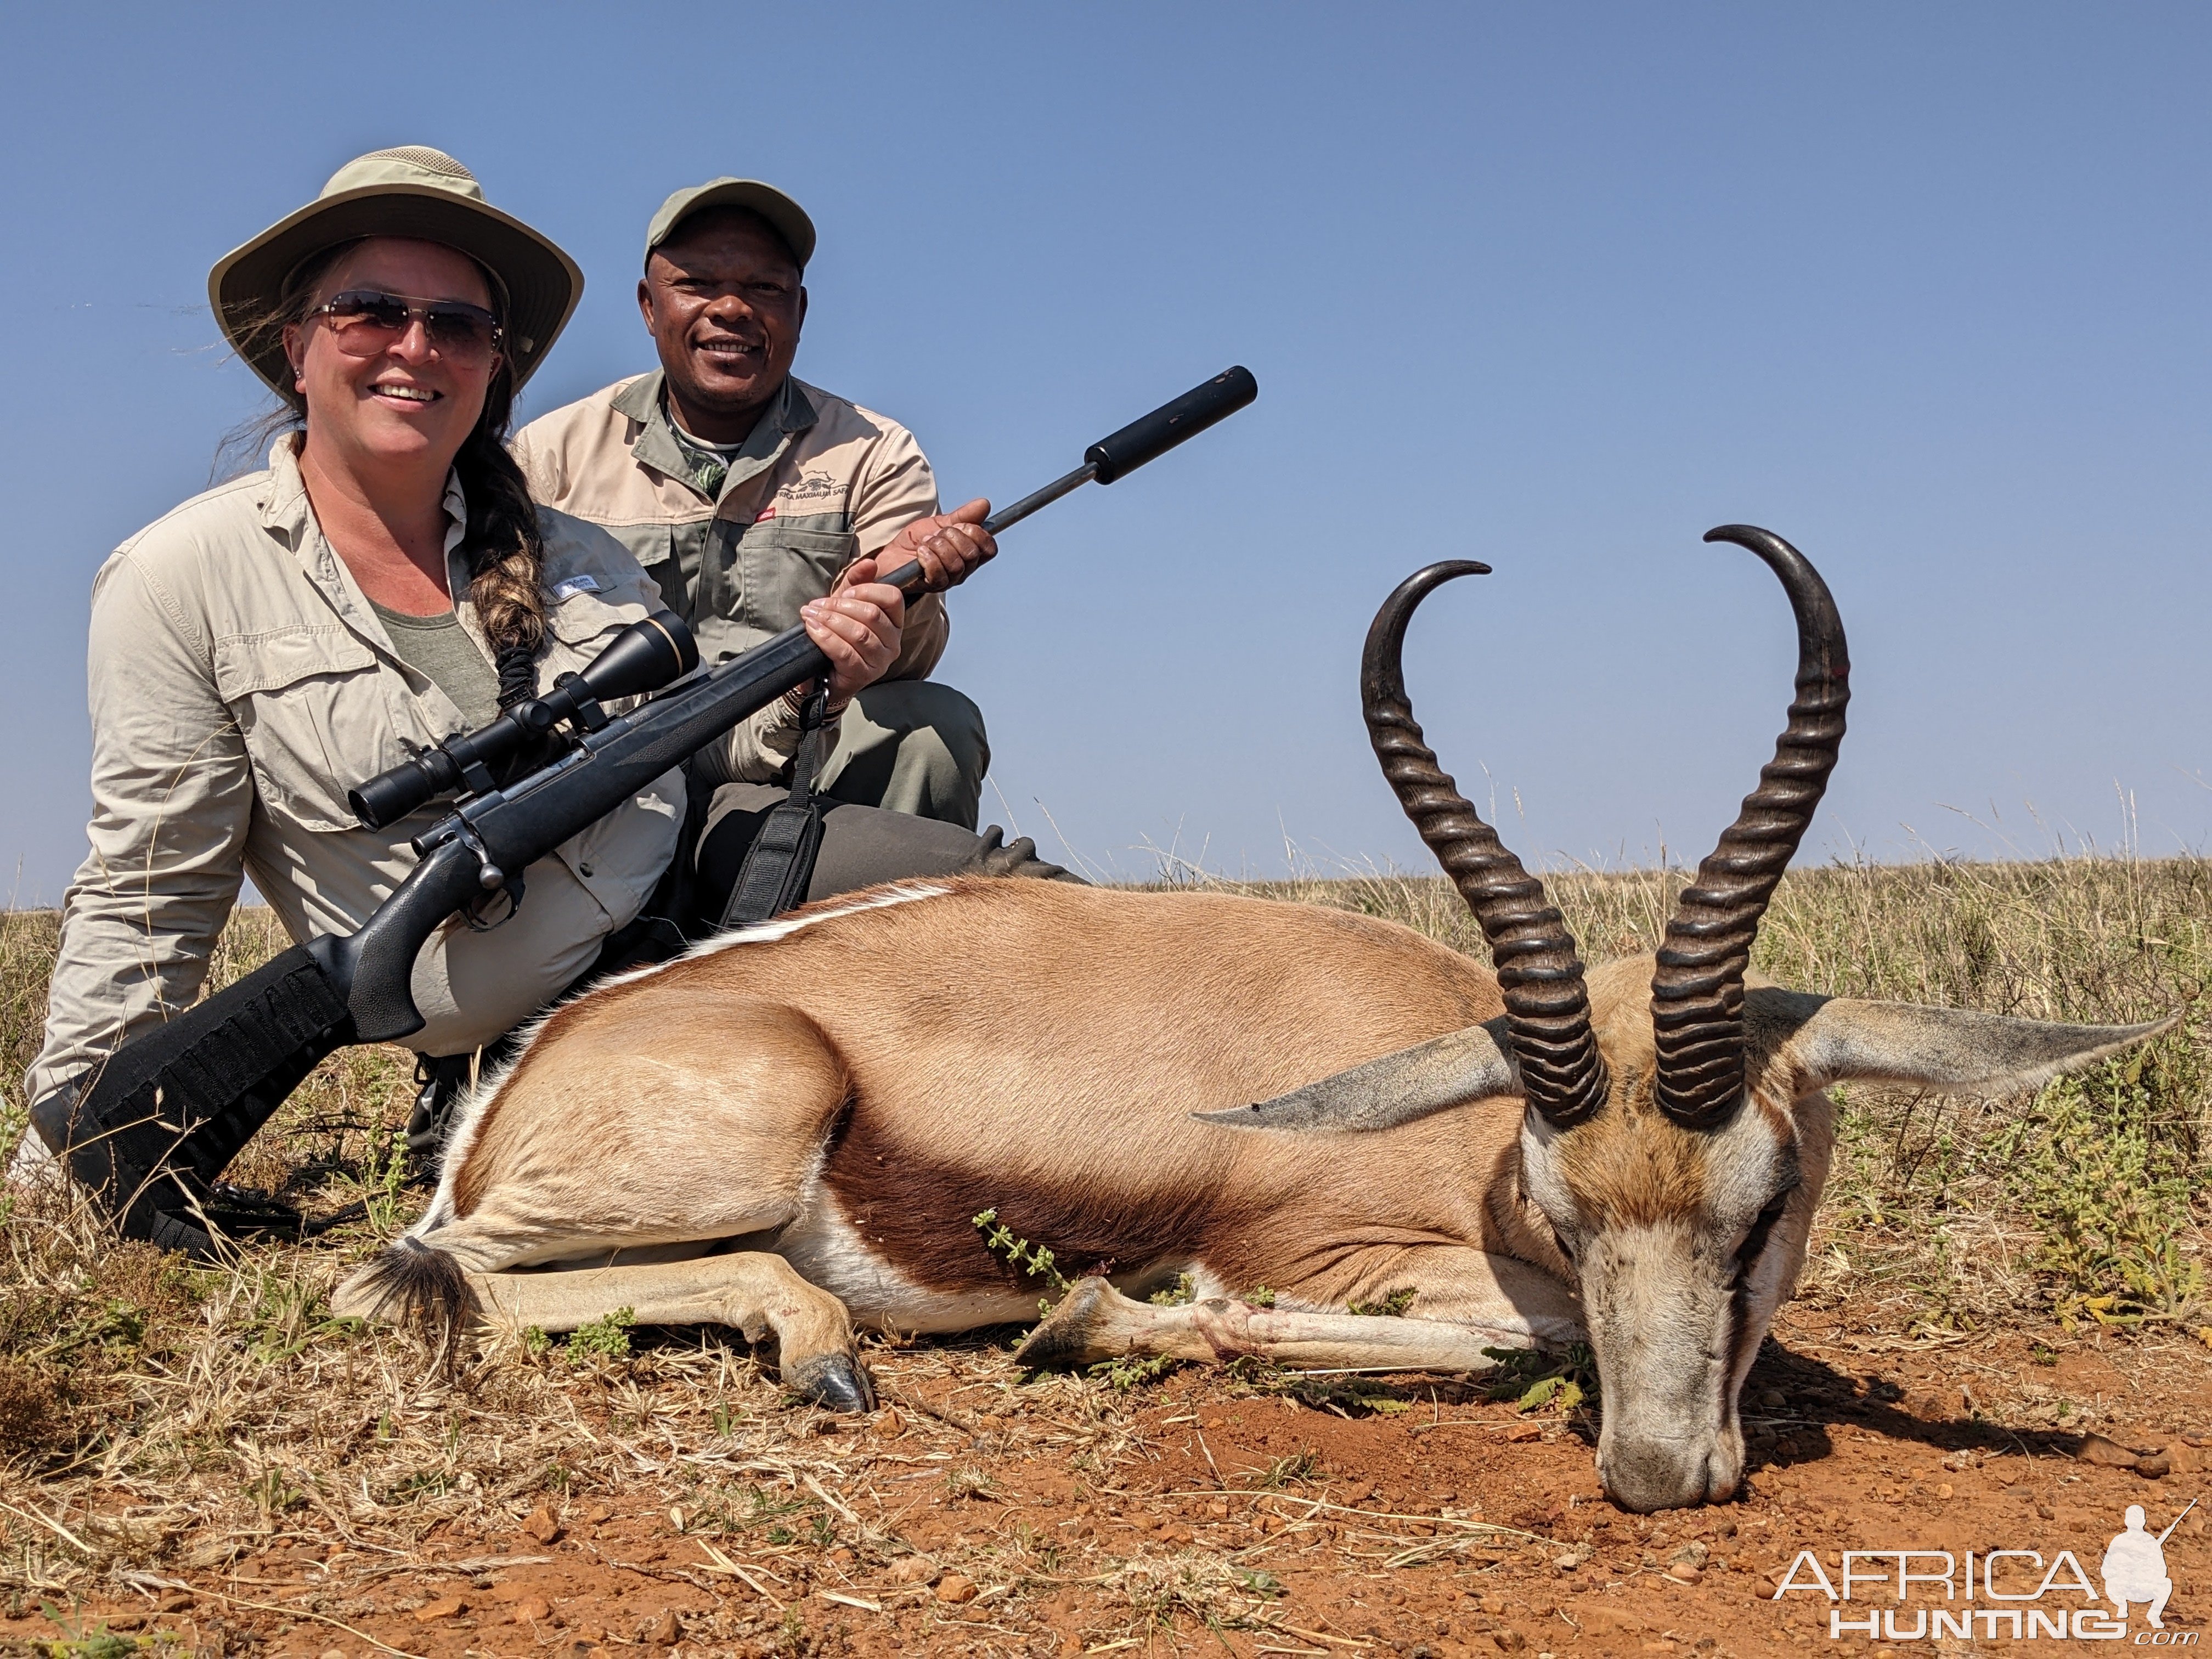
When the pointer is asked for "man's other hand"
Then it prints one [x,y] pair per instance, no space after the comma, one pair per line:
[949,545]
[857,628]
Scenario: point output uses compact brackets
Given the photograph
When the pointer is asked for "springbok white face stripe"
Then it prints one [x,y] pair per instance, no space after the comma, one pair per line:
[470,1110]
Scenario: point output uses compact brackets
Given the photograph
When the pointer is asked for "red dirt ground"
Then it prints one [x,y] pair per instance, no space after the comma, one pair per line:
[1452,1526]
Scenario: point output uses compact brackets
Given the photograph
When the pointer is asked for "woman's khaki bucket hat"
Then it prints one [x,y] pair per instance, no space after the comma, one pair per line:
[409,191]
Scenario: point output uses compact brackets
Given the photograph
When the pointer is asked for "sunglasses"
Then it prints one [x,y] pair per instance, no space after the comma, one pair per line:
[365,323]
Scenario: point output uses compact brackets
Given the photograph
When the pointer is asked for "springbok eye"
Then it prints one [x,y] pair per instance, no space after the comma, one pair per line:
[1755,1238]
[1566,1247]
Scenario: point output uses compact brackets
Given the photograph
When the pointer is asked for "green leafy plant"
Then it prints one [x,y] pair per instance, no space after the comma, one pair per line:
[605,1339]
[1534,1379]
[1131,1370]
[1032,1260]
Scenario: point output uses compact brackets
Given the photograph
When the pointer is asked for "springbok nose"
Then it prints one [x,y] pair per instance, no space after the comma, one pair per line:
[1659,1475]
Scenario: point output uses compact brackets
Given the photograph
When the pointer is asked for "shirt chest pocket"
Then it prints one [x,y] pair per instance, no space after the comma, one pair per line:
[779,568]
[582,623]
[311,704]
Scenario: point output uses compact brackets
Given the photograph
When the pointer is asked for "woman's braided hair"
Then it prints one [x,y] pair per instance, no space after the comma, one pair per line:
[503,540]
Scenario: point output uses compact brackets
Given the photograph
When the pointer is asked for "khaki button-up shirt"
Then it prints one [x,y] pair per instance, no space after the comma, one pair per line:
[240,685]
[819,482]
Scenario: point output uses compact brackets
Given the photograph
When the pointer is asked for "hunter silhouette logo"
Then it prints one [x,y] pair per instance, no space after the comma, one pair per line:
[2013,1595]
[2135,1567]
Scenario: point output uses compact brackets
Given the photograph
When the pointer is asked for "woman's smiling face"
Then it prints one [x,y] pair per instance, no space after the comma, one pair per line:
[409,402]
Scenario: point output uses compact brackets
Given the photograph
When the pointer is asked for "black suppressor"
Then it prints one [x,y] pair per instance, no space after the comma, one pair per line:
[1169,425]
[644,657]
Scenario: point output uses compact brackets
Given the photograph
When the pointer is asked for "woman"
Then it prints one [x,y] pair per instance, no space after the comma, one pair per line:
[384,583]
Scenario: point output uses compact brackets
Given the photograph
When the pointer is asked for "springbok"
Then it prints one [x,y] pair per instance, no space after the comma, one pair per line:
[790,1128]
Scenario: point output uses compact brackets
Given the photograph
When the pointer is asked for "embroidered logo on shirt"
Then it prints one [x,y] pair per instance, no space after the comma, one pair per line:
[574,585]
[813,487]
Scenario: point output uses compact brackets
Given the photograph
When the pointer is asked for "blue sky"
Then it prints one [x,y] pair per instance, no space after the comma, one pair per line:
[1923,288]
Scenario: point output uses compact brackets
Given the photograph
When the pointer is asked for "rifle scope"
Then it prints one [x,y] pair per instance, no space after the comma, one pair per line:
[644,657]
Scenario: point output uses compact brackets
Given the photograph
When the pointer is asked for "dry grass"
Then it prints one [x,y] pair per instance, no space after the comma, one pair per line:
[158,1420]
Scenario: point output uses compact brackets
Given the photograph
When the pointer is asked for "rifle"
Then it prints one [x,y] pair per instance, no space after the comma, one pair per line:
[150,1129]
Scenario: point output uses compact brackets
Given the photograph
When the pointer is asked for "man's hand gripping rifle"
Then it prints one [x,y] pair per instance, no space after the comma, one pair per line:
[151,1130]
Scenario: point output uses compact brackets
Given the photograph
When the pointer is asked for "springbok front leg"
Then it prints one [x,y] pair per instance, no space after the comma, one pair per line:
[1094,1323]
[750,1291]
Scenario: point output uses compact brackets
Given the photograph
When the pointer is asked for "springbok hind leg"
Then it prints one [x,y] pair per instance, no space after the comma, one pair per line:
[750,1292]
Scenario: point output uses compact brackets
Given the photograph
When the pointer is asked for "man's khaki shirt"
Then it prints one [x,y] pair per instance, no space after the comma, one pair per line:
[818,483]
[240,685]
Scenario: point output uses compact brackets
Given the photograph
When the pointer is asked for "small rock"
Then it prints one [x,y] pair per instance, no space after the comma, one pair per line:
[913,1570]
[955,1587]
[175,1601]
[530,1610]
[1943,1490]
[664,1627]
[1525,1431]
[332,1653]
[1685,1572]
[888,1424]
[2104,1454]
[2155,1466]
[541,1525]
[843,1556]
[445,1606]
[2184,1458]
[1772,1399]
[599,1512]
[1511,1641]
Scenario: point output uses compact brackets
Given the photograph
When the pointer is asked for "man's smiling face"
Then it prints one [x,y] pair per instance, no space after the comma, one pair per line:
[723,301]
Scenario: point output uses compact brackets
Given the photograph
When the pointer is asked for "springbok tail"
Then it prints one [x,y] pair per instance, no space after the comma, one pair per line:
[419,1287]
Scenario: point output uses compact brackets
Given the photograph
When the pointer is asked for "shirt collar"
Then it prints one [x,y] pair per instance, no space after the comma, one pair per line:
[656,445]
[286,513]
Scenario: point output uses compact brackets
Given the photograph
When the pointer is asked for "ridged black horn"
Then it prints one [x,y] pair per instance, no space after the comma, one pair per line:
[1697,994]
[1547,1004]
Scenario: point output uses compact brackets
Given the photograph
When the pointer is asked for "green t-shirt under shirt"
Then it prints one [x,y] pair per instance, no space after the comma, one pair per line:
[439,649]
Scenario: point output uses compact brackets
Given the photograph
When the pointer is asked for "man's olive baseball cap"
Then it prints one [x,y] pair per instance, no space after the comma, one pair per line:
[410,191]
[787,216]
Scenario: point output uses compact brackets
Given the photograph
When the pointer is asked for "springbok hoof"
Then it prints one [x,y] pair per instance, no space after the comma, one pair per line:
[1069,1336]
[837,1382]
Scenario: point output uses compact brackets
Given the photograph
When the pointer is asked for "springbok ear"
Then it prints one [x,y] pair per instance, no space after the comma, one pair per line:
[1455,1070]
[1838,1039]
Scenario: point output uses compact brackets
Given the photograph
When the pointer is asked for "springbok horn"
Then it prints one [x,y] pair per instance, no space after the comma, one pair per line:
[1697,994]
[1547,1004]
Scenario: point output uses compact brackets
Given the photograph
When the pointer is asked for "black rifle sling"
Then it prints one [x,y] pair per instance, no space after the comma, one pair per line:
[151,1129]
[781,861]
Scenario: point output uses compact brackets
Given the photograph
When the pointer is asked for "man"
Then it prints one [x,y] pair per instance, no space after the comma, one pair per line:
[747,493]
